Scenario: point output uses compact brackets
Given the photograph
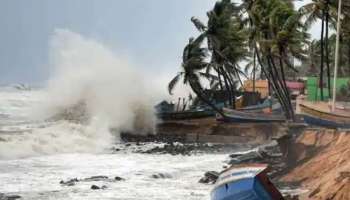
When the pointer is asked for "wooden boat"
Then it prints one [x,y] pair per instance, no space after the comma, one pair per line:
[245,182]
[320,114]
[265,107]
[245,117]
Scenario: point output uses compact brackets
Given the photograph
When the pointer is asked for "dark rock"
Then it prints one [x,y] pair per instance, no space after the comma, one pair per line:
[10,197]
[117,178]
[95,187]
[70,182]
[252,156]
[173,149]
[209,177]
[73,182]
[161,176]
[96,178]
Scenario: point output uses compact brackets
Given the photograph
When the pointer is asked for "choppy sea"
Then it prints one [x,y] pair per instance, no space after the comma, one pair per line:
[35,155]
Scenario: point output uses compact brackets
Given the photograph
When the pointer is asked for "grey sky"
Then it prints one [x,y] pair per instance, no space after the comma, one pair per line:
[151,33]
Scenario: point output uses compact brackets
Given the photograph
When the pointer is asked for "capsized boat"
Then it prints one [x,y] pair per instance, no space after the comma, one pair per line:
[248,117]
[320,114]
[245,182]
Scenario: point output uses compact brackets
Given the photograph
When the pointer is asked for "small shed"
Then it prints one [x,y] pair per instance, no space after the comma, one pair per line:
[261,86]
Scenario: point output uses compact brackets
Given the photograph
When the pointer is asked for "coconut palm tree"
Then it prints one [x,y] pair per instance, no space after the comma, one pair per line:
[193,63]
[226,43]
[325,10]
[277,38]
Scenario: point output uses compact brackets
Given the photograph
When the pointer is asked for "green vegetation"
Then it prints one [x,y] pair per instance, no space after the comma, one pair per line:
[268,37]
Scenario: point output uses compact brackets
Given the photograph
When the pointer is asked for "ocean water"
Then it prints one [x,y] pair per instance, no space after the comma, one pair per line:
[35,155]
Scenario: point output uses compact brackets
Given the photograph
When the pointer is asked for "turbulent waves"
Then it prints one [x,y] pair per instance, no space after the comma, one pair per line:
[90,92]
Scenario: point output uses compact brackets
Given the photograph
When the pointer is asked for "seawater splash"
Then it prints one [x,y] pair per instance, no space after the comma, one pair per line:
[84,72]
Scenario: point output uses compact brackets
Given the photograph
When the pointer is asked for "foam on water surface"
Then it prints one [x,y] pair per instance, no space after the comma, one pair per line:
[36,155]
[38,177]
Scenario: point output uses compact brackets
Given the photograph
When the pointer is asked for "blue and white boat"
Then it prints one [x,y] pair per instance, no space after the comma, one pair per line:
[245,182]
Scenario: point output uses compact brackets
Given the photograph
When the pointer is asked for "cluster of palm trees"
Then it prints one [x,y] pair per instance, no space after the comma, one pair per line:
[266,36]
[321,52]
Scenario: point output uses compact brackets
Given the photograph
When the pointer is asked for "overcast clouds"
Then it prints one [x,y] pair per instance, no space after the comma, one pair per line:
[151,33]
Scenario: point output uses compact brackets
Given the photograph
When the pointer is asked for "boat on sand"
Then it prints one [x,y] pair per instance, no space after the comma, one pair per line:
[321,114]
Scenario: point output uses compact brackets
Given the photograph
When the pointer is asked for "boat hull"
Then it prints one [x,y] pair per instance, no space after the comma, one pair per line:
[265,107]
[246,189]
[325,119]
[245,182]
[248,117]
[325,123]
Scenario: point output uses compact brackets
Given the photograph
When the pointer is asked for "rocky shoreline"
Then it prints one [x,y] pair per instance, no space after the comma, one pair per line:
[298,159]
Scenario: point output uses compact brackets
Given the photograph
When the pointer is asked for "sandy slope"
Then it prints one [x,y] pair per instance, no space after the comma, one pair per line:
[323,164]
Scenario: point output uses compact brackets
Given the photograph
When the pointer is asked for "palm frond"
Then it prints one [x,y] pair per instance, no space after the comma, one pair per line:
[173,82]
[198,24]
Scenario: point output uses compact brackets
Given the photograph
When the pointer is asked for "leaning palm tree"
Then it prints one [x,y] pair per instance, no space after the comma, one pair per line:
[193,63]
[226,43]
[278,38]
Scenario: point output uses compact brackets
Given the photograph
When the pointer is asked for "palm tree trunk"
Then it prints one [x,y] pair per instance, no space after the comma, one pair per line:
[322,56]
[220,82]
[276,87]
[272,82]
[254,70]
[327,51]
[232,89]
[279,86]
[349,57]
[227,86]
[285,84]
[178,105]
